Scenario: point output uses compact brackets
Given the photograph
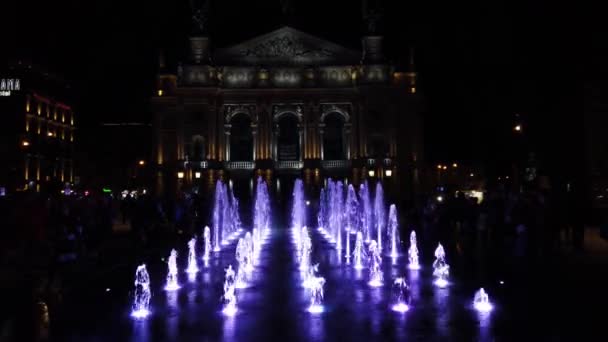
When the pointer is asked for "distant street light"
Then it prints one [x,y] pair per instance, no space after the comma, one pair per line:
[180,175]
[439,167]
[141,162]
[445,167]
[455,165]
[371,173]
[517,128]
[25,143]
[388,173]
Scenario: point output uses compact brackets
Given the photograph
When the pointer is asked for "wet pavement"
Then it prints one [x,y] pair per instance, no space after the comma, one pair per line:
[551,301]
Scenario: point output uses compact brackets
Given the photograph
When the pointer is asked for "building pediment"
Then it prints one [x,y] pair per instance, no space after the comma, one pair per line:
[286,46]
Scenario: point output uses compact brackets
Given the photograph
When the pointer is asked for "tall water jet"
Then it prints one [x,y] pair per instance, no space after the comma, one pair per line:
[207,244]
[229,296]
[227,226]
[379,213]
[359,253]
[481,302]
[412,252]
[248,252]
[401,294]
[241,257]
[217,215]
[322,214]
[261,211]
[375,263]
[441,268]
[172,283]
[192,265]
[298,212]
[235,216]
[393,226]
[365,210]
[305,250]
[310,276]
[338,213]
[351,216]
[316,295]
[142,295]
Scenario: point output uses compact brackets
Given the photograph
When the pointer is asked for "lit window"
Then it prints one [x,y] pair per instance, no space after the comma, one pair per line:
[197,175]
[180,175]
[160,92]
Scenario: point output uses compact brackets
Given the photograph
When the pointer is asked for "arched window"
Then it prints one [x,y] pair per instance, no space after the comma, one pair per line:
[333,137]
[288,138]
[241,138]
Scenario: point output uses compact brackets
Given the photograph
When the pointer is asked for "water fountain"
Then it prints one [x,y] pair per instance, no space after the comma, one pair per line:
[310,276]
[207,244]
[365,210]
[316,295]
[248,252]
[359,253]
[227,226]
[217,215]
[298,212]
[338,213]
[393,227]
[261,211]
[375,263]
[235,217]
[441,268]
[172,283]
[351,217]
[192,265]
[305,250]
[401,293]
[379,213]
[229,296]
[141,298]
[412,252]
[481,302]
[240,256]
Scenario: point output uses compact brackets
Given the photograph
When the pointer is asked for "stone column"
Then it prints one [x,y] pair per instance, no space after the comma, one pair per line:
[275,141]
[301,140]
[321,131]
[254,133]
[347,140]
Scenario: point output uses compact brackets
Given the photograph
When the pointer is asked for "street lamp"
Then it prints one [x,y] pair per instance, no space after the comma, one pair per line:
[180,175]
[455,165]
[388,172]
[371,173]
[517,128]
[25,143]
[197,174]
[141,162]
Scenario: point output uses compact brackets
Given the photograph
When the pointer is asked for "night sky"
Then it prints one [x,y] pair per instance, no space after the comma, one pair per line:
[479,62]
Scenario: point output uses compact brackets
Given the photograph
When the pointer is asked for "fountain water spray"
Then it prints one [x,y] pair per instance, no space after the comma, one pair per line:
[393,227]
[441,268]
[298,212]
[248,252]
[351,217]
[141,298]
[359,253]
[229,296]
[241,257]
[379,213]
[338,213]
[305,250]
[481,302]
[316,295]
[375,263]
[172,283]
[207,244]
[401,293]
[310,276]
[192,265]
[217,215]
[365,210]
[413,252]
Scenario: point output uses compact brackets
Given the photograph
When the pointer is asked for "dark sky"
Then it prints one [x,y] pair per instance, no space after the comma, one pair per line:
[479,61]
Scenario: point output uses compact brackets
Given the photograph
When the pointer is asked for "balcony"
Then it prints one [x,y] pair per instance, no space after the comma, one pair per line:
[335,164]
[239,165]
[289,165]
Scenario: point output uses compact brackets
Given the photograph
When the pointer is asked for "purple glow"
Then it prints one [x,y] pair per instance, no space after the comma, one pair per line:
[140,314]
[441,283]
[192,266]
[316,309]
[172,284]
[400,307]
[141,300]
[412,252]
[481,302]
[393,228]
[230,310]
[379,213]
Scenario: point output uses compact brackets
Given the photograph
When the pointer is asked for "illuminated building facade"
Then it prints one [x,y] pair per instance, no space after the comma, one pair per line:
[287,102]
[38,132]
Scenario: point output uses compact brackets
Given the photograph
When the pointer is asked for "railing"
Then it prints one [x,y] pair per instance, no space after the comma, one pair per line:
[289,165]
[239,165]
[335,164]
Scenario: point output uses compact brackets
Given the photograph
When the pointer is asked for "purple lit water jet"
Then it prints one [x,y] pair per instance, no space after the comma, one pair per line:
[359,253]
[207,244]
[365,210]
[441,268]
[375,263]
[351,216]
[401,293]
[316,295]
[393,227]
[172,283]
[141,298]
[192,265]
[481,302]
[412,252]
[379,213]
[229,297]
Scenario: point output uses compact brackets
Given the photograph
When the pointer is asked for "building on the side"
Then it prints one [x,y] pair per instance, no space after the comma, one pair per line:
[37,131]
[287,102]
